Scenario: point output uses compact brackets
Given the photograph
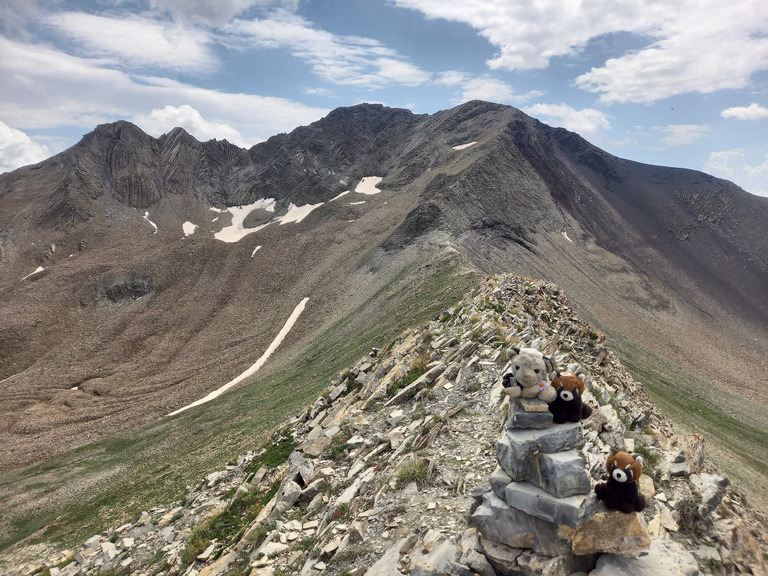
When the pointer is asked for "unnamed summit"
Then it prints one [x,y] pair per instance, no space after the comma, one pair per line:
[121,301]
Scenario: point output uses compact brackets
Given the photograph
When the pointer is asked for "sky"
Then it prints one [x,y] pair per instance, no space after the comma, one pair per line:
[670,82]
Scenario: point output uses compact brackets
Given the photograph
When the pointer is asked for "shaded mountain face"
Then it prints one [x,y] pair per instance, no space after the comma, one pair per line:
[139,274]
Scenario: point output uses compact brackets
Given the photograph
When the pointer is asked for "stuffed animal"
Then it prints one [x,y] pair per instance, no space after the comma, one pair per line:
[529,377]
[620,492]
[568,406]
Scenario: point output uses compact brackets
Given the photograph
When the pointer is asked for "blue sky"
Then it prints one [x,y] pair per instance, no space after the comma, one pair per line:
[671,82]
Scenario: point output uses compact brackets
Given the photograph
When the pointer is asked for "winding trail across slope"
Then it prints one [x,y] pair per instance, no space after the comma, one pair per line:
[256,365]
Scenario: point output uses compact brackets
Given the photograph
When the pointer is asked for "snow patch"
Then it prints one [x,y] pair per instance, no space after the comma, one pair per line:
[146,217]
[189,228]
[255,250]
[235,231]
[462,146]
[339,196]
[297,213]
[368,185]
[565,235]
[356,203]
[38,269]
[256,365]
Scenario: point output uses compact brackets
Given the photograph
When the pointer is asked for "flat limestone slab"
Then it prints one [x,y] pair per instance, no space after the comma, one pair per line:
[525,442]
[543,458]
[571,511]
[519,417]
[512,527]
[534,405]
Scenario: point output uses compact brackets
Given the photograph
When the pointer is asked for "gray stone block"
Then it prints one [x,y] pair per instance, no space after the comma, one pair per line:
[523,443]
[571,511]
[498,481]
[561,474]
[533,456]
[519,418]
[500,522]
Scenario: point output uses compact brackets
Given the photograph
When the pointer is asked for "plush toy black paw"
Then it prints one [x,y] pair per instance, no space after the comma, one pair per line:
[568,406]
[620,492]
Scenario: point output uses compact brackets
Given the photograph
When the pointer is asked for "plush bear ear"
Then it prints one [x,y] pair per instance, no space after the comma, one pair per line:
[549,362]
[638,458]
[582,376]
[514,351]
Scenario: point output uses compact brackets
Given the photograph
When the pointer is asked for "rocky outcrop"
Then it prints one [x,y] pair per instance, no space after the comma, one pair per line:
[408,464]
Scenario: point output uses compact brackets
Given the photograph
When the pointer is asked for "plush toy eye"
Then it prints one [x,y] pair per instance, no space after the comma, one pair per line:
[536,370]
[517,367]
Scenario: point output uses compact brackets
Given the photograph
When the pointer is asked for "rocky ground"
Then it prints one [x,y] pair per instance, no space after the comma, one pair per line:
[382,473]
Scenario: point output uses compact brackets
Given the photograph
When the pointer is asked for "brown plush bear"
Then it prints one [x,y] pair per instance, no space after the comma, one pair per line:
[568,405]
[620,492]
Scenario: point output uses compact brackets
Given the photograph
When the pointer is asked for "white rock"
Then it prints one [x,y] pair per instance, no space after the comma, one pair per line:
[271,549]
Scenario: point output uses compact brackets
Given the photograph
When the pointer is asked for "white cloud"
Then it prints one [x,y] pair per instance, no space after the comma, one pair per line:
[212,13]
[44,88]
[692,45]
[528,34]
[344,60]
[16,14]
[681,134]
[702,47]
[483,87]
[163,120]
[733,165]
[134,41]
[18,149]
[587,122]
[752,112]
[320,92]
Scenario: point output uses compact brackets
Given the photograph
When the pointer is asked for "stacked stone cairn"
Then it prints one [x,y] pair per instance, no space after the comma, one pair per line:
[541,497]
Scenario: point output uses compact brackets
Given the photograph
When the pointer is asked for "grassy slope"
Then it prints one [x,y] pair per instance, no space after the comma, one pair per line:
[109,481]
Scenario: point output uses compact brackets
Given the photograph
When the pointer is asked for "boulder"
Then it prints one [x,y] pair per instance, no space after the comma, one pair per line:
[571,510]
[712,489]
[664,558]
[503,558]
[609,532]
[517,529]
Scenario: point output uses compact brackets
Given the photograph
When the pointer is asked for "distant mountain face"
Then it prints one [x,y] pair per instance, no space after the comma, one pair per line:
[138,274]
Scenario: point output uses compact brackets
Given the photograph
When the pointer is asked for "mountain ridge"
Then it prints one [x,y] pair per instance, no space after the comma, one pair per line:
[408,445]
[658,256]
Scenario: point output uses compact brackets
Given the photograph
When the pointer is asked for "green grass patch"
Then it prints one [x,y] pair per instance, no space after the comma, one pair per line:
[417,369]
[338,446]
[227,527]
[277,452]
[415,470]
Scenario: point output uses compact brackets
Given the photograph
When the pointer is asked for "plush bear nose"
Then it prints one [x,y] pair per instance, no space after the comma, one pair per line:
[566,395]
[619,475]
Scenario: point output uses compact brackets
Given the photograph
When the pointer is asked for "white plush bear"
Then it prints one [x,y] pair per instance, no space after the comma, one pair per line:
[529,377]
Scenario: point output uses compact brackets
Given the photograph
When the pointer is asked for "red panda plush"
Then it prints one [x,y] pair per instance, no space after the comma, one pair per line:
[568,405]
[620,491]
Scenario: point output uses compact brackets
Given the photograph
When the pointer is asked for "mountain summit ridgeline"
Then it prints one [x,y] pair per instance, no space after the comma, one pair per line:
[139,274]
